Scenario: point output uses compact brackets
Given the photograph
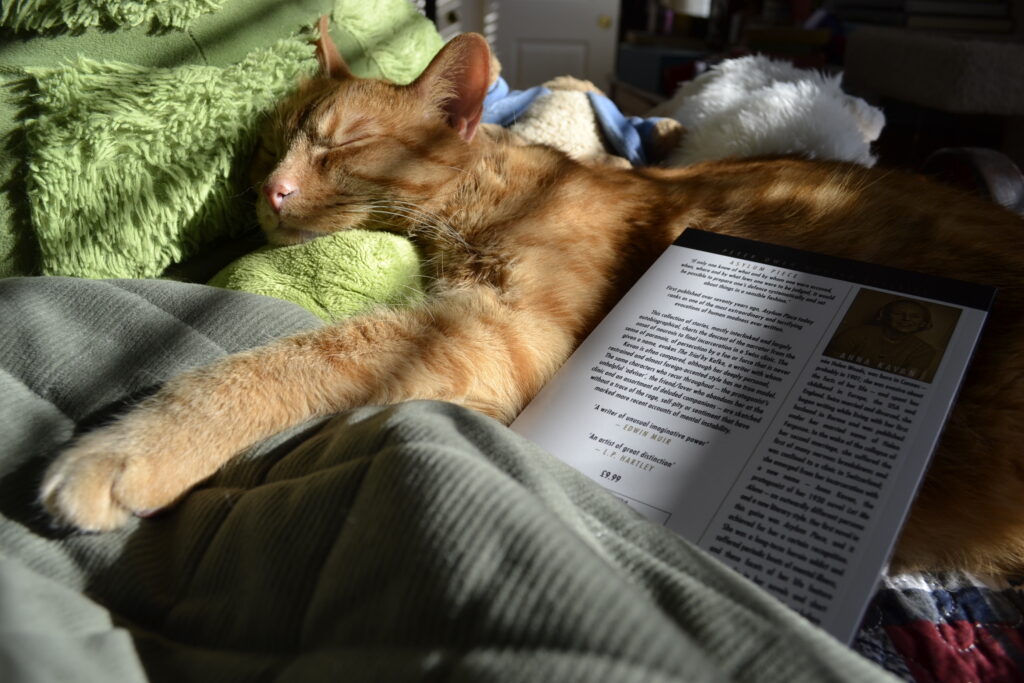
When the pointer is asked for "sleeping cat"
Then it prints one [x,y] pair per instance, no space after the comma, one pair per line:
[527,251]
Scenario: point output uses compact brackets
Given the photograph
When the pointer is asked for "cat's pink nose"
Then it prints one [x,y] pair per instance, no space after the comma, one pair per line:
[277,191]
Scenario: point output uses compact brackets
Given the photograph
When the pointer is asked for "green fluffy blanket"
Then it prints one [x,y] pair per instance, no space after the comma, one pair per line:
[130,168]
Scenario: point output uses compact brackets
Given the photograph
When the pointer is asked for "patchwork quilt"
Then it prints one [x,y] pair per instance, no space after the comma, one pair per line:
[946,627]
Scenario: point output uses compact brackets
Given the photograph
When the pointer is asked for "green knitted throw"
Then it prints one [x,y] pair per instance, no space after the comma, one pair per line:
[36,15]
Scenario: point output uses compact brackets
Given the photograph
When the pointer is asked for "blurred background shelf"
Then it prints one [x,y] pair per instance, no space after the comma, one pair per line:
[946,72]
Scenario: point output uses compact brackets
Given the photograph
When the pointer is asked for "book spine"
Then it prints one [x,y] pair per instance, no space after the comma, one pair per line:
[916,284]
[873,16]
[964,24]
[959,8]
[895,5]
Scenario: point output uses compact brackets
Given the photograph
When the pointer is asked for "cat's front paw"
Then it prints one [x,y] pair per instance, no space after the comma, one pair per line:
[79,488]
[105,478]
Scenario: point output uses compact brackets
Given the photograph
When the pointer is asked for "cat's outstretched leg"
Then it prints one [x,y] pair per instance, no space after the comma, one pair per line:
[147,459]
[467,347]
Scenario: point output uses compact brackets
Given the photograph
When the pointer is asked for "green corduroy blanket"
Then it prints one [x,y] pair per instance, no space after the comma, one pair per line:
[130,168]
[420,542]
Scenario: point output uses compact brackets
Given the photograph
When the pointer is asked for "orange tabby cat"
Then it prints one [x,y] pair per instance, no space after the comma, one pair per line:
[530,250]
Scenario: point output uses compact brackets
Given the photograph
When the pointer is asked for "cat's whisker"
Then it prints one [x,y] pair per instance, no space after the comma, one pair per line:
[866,184]
[245,190]
[439,228]
[424,220]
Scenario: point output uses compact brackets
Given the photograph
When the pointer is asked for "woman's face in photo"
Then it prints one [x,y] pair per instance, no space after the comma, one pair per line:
[906,318]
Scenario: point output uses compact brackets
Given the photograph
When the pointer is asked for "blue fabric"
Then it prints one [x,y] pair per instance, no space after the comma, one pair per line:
[504,106]
[628,136]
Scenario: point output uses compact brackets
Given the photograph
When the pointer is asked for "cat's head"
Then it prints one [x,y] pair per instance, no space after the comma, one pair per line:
[345,149]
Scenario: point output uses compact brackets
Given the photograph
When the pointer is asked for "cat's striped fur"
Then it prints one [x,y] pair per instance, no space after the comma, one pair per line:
[528,250]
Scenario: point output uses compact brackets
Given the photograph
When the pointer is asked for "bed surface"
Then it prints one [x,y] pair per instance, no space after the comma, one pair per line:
[415,542]
[418,542]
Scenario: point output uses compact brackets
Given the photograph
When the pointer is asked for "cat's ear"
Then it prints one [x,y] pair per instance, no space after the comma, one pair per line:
[458,79]
[332,65]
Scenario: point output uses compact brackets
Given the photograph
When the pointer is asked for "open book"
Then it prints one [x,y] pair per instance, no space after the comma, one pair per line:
[776,407]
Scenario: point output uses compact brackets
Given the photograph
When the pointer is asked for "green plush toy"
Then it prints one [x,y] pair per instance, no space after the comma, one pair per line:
[335,276]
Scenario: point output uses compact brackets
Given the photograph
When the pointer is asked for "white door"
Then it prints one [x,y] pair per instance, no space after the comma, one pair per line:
[540,39]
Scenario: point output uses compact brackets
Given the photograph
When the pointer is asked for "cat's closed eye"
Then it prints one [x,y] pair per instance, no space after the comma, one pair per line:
[327,151]
[264,158]
[332,145]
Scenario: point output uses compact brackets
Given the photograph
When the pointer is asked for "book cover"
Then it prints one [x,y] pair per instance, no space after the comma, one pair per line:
[777,408]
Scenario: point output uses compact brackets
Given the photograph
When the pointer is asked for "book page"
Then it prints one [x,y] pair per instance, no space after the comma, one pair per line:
[764,412]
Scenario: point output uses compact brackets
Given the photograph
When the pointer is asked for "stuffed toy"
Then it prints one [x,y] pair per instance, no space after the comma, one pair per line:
[742,107]
[756,106]
[574,116]
[335,276]
[563,118]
